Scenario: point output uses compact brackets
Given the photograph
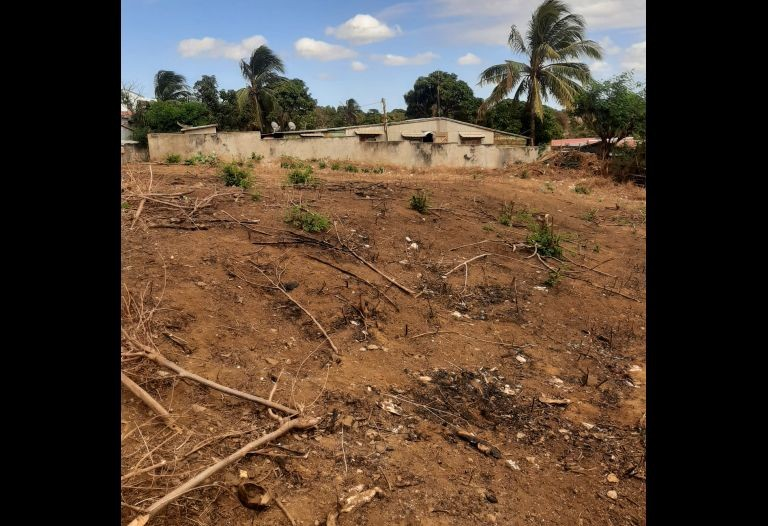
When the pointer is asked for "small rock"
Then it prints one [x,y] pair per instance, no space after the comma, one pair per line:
[201,284]
[491,518]
[513,465]
[408,239]
[347,421]
[243,474]
[381,448]
[538,287]
[588,425]
[425,379]
[635,368]
[520,359]
[456,314]
[371,434]
[612,478]
[563,431]
[532,460]
[403,261]
[271,361]
[197,408]
[273,331]
[491,497]
[612,495]
[520,435]
[413,246]
[362,348]
[556,380]
[372,347]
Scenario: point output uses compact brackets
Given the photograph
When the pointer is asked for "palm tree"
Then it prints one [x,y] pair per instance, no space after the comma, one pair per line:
[554,36]
[261,72]
[351,111]
[170,85]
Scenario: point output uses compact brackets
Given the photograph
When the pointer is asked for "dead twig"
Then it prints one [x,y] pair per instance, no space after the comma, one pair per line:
[142,470]
[161,360]
[285,511]
[465,336]
[466,262]
[153,404]
[141,204]
[299,305]
[154,509]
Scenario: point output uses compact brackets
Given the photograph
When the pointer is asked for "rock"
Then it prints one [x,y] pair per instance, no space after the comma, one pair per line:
[289,286]
[413,246]
[347,421]
[359,498]
[243,474]
[520,435]
[371,434]
[532,460]
[381,447]
[273,331]
[201,284]
[389,406]
[520,359]
[361,349]
[372,347]
[271,361]
[491,497]
[425,379]
[588,425]
[408,239]
[513,465]
[612,478]
[456,314]
[491,518]
[197,408]
[612,495]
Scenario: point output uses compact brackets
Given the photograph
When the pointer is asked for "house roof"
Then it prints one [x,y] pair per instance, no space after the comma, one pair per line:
[187,128]
[409,121]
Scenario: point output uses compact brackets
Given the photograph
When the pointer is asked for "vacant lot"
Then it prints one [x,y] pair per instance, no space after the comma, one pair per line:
[541,358]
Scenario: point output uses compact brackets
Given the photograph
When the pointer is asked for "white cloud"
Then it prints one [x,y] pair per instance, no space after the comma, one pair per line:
[323,51]
[358,66]
[468,59]
[399,60]
[363,29]
[325,76]
[217,48]
[609,47]
[634,57]
[599,67]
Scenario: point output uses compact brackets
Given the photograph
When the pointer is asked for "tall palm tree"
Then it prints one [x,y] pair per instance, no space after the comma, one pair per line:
[261,72]
[170,85]
[351,111]
[554,36]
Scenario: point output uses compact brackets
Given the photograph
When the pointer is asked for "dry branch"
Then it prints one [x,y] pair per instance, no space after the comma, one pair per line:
[299,305]
[466,262]
[154,509]
[356,277]
[161,360]
[151,402]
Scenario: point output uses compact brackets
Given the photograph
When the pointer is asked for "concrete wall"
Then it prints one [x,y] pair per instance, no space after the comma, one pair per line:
[240,145]
[132,153]
[200,131]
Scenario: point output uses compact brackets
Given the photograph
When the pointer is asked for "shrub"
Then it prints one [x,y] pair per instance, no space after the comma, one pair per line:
[336,166]
[321,165]
[547,241]
[302,176]
[505,218]
[291,163]
[553,279]
[199,158]
[379,170]
[235,175]
[173,158]
[255,195]
[350,168]
[255,157]
[581,189]
[419,202]
[590,215]
[306,220]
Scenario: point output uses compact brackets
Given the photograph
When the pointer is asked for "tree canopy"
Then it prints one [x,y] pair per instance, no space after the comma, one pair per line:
[513,116]
[261,71]
[456,98]
[170,85]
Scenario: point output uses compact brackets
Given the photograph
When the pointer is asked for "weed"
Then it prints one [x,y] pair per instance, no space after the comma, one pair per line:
[125,206]
[581,189]
[379,170]
[553,279]
[291,163]
[307,221]
[488,228]
[548,187]
[321,165]
[199,158]
[365,170]
[524,174]
[548,243]
[419,202]
[255,196]
[335,166]
[505,218]
[235,175]
[596,248]
[590,216]
[350,168]
[302,176]
[255,157]
[173,158]
[525,217]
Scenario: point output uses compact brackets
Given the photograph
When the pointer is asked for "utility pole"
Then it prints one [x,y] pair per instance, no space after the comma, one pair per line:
[439,78]
[384,109]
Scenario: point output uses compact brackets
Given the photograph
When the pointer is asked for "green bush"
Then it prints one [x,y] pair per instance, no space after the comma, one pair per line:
[302,176]
[336,166]
[173,158]
[419,202]
[307,221]
[199,158]
[553,279]
[235,175]
[255,195]
[255,157]
[321,165]
[581,189]
[379,170]
[505,218]
[547,241]
[350,168]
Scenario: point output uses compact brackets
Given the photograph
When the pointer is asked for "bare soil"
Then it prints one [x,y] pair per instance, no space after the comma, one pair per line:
[550,379]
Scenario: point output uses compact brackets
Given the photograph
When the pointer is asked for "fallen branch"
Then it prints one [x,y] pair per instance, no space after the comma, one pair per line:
[466,262]
[142,470]
[161,360]
[299,305]
[603,288]
[153,404]
[285,510]
[141,204]
[154,509]
[465,336]
[356,277]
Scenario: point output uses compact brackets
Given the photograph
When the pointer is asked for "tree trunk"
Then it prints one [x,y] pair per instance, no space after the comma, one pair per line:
[533,125]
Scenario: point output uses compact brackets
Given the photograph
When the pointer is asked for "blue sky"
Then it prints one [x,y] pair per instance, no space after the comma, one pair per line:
[362,49]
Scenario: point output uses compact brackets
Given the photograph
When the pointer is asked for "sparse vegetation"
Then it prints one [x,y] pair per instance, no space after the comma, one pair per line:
[379,170]
[590,215]
[365,170]
[553,279]
[548,243]
[336,166]
[505,218]
[582,189]
[255,196]
[525,217]
[255,157]
[306,220]
[235,175]
[596,248]
[524,174]
[419,202]
[125,205]
[351,168]
[321,165]
[488,228]
[199,158]
[302,176]
[173,158]
[549,187]
[292,163]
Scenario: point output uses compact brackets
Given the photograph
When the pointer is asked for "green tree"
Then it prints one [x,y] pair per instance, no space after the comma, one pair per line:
[170,85]
[511,116]
[322,117]
[441,94]
[554,36]
[207,92]
[373,116]
[230,116]
[261,72]
[350,113]
[612,110]
[294,103]
[162,116]
[396,115]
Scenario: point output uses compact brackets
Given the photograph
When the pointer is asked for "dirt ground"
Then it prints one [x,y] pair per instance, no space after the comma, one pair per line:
[550,378]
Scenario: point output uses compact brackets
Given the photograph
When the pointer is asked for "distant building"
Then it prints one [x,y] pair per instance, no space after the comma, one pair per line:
[439,130]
